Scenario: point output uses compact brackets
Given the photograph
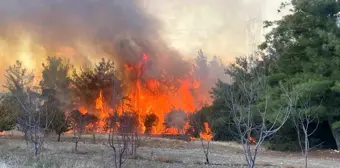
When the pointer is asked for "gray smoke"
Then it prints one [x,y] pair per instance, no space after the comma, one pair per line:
[117,29]
[176,119]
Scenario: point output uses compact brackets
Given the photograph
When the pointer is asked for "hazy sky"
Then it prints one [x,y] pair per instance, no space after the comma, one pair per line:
[216,26]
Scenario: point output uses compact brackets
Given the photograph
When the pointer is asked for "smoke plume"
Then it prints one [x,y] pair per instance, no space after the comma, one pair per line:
[84,31]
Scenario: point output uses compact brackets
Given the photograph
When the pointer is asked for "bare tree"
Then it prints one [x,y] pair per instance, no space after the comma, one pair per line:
[303,115]
[206,136]
[302,121]
[205,150]
[248,101]
[118,140]
[79,121]
[34,119]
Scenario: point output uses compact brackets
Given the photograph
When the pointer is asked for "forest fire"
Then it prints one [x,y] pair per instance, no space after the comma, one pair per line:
[153,79]
[150,96]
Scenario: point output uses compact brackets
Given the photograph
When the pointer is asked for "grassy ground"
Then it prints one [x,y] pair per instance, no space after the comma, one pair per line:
[153,153]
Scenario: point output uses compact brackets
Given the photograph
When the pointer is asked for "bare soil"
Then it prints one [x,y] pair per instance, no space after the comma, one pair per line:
[153,153]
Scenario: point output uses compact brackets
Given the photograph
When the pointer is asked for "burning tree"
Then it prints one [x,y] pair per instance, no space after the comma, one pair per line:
[94,91]
[150,122]
[150,93]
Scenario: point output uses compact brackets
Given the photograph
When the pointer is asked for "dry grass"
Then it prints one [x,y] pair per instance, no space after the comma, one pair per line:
[153,153]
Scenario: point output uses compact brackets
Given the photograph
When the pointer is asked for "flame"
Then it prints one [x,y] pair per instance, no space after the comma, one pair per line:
[157,95]
[171,130]
[154,95]
[83,110]
[251,140]
[207,134]
[103,112]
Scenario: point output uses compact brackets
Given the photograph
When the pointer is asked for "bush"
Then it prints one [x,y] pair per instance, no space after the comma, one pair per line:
[284,140]
[8,111]
[222,129]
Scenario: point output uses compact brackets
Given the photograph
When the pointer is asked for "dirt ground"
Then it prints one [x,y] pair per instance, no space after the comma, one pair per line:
[153,153]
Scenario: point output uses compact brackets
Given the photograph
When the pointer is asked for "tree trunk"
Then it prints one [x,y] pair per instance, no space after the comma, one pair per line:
[59,137]
[335,132]
[26,137]
[207,160]
[76,147]
[306,149]
[36,148]
[252,164]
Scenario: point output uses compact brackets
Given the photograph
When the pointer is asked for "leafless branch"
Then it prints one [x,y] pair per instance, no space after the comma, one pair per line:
[248,90]
[302,118]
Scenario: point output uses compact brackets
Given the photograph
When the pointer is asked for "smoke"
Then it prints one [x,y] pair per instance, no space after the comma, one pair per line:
[176,119]
[84,31]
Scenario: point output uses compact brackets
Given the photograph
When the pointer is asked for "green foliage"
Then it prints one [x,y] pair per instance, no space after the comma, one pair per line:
[220,116]
[17,77]
[18,83]
[55,85]
[336,125]
[88,83]
[306,40]
[55,74]
[305,47]
[302,55]
[198,119]
[285,139]
[8,112]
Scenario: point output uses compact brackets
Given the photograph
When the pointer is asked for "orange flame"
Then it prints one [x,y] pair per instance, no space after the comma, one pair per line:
[251,140]
[152,95]
[207,134]
[103,112]
[83,110]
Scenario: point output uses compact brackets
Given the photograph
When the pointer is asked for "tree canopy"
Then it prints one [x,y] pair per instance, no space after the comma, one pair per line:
[305,48]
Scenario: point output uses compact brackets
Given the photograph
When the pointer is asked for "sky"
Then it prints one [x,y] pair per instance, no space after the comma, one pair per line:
[218,27]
